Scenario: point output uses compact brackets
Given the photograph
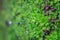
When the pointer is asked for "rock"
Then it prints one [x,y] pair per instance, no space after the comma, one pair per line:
[53,20]
[46,32]
[53,9]
[8,23]
[47,7]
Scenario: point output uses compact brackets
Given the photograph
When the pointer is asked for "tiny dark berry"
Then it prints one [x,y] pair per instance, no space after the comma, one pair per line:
[19,23]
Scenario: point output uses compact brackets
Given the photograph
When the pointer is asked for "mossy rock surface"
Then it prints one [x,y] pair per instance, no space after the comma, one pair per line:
[28,20]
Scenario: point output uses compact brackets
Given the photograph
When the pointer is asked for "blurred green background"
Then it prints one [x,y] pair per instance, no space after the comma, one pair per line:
[31,18]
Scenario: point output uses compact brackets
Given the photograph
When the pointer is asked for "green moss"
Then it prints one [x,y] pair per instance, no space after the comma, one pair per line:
[32,19]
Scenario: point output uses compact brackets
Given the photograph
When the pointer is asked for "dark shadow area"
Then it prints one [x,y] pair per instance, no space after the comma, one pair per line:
[1,4]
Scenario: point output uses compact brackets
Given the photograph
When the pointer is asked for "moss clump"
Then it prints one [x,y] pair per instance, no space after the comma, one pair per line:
[30,15]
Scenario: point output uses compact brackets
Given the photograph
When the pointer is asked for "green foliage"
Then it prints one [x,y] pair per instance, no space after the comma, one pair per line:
[32,19]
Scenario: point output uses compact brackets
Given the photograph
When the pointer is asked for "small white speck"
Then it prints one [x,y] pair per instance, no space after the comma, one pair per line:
[10,22]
